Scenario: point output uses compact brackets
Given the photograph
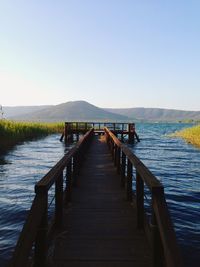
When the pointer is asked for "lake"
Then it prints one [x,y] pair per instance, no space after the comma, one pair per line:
[174,162]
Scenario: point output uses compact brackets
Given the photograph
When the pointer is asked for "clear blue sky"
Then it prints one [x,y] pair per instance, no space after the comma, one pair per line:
[112,53]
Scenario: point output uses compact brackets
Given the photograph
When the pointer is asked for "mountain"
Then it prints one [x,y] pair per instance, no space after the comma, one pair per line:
[71,111]
[21,110]
[156,114]
[84,111]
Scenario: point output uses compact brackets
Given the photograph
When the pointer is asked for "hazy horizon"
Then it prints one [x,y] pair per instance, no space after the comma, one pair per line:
[113,54]
[109,107]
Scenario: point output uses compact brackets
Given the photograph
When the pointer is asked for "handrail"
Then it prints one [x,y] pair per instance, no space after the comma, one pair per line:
[146,174]
[35,228]
[164,244]
[47,181]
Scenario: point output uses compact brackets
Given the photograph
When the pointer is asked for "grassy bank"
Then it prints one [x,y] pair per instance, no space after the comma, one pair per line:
[191,135]
[12,132]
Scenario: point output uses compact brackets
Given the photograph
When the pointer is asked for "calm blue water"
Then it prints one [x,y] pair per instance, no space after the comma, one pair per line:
[177,165]
[20,169]
[174,162]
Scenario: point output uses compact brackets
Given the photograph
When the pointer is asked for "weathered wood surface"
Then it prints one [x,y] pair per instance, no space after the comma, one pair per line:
[100,226]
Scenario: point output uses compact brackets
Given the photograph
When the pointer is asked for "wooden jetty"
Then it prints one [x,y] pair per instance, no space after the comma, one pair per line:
[72,130]
[99,217]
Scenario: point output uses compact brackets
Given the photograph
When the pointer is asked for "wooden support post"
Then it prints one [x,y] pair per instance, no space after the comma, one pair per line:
[66,131]
[40,253]
[157,249]
[59,201]
[140,201]
[137,137]
[63,134]
[123,168]
[131,133]
[129,181]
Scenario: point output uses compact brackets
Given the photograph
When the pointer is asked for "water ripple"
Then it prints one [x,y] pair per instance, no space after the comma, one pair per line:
[177,165]
[20,169]
[174,162]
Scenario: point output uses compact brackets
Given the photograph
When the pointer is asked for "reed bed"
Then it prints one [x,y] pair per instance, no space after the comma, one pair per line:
[12,132]
[191,135]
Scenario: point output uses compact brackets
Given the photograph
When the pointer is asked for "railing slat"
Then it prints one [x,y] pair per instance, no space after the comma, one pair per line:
[36,224]
[164,238]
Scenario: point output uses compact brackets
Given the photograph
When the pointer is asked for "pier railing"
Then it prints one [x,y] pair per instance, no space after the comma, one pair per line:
[122,129]
[34,235]
[159,230]
[98,125]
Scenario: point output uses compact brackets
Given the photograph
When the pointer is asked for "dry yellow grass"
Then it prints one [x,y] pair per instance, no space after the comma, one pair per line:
[191,135]
[12,132]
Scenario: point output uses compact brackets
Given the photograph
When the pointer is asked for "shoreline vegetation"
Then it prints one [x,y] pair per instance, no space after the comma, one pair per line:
[12,132]
[191,135]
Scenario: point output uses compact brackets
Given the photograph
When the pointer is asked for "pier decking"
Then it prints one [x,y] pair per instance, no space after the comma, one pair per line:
[99,217]
[100,226]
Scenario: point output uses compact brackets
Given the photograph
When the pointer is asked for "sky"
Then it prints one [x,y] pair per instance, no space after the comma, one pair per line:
[111,53]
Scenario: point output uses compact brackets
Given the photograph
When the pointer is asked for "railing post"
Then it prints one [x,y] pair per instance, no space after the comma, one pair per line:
[129,181]
[131,130]
[157,249]
[123,168]
[140,201]
[66,132]
[59,201]
[40,253]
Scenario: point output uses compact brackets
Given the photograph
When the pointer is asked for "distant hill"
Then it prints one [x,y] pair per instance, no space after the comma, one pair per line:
[21,110]
[156,114]
[84,111]
[71,111]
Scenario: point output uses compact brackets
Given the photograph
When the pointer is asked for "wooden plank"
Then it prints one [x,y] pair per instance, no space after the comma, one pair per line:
[100,225]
